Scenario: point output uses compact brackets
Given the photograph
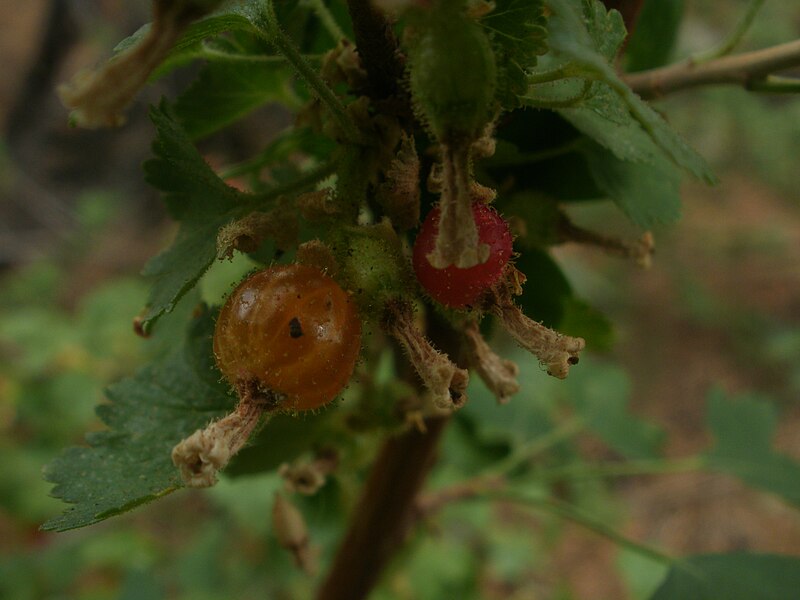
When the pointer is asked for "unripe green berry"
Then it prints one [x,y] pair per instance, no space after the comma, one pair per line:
[452,72]
[372,266]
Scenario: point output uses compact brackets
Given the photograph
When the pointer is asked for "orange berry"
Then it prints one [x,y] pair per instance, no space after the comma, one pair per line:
[292,330]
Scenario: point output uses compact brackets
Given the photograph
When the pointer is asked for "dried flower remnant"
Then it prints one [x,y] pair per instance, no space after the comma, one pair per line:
[307,478]
[499,374]
[292,533]
[317,205]
[99,98]
[248,233]
[207,451]
[556,351]
[303,478]
[457,241]
[446,382]
[640,251]
[399,193]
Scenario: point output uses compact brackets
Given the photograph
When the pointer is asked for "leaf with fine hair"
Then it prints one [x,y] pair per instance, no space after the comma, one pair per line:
[517,31]
[583,39]
[130,463]
[198,199]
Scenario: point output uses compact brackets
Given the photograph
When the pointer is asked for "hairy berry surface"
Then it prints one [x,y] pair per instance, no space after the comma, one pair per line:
[292,330]
[461,288]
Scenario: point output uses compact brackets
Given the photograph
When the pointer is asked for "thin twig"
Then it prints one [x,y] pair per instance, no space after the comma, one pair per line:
[537,446]
[631,468]
[640,250]
[575,515]
[745,69]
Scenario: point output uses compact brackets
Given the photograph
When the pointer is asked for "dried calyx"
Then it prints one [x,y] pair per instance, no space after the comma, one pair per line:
[457,240]
[99,98]
[499,374]
[308,477]
[398,194]
[291,532]
[248,233]
[446,382]
[556,351]
[207,451]
[640,250]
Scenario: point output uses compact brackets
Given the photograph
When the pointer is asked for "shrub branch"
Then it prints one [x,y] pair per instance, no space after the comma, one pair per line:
[747,69]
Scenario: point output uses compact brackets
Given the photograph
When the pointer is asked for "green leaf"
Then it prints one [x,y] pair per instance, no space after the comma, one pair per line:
[199,200]
[225,92]
[744,428]
[130,464]
[653,40]
[546,290]
[540,214]
[581,320]
[583,43]
[649,194]
[547,162]
[202,203]
[605,119]
[518,34]
[735,576]
[189,46]
[601,394]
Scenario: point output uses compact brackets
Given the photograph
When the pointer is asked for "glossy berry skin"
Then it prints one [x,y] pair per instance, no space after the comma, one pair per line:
[289,329]
[461,288]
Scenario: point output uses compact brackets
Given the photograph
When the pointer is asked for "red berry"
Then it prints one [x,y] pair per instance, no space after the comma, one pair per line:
[290,329]
[460,288]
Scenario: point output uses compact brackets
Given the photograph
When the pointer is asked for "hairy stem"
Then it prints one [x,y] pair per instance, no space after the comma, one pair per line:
[387,510]
[271,31]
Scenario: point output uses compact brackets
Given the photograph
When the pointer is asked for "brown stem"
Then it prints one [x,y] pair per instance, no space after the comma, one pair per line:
[377,47]
[384,513]
[742,69]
